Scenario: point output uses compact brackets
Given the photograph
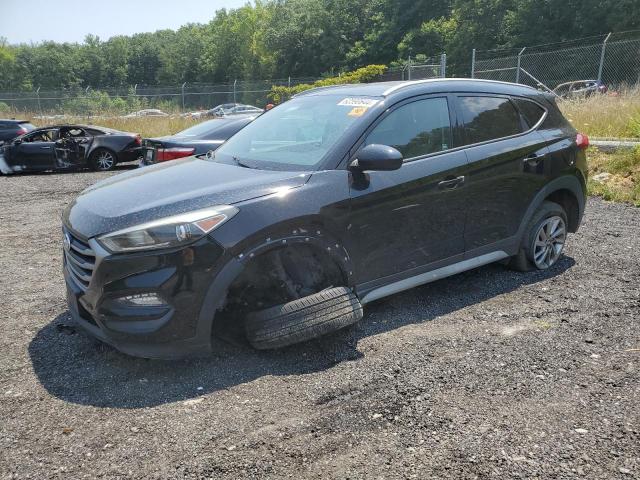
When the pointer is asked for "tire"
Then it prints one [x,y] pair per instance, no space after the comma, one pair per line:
[99,160]
[551,219]
[303,319]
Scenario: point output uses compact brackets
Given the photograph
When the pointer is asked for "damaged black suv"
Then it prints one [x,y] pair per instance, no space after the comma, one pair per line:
[333,199]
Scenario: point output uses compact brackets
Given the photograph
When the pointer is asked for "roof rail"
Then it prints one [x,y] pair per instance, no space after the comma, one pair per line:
[317,89]
[434,80]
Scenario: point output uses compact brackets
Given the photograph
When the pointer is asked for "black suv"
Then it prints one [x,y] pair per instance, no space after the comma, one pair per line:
[334,199]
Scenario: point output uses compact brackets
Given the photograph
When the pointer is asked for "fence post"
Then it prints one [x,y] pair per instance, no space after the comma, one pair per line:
[38,95]
[519,63]
[473,63]
[235,81]
[183,85]
[289,82]
[409,69]
[604,47]
[443,65]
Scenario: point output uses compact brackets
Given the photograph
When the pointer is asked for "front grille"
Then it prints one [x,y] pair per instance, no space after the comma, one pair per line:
[79,260]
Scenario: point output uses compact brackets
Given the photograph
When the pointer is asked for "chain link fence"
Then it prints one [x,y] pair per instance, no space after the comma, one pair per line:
[178,98]
[612,59]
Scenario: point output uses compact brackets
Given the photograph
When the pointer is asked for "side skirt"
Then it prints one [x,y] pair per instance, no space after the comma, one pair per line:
[433,275]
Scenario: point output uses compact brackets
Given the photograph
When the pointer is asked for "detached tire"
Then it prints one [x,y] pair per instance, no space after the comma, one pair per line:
[303,319]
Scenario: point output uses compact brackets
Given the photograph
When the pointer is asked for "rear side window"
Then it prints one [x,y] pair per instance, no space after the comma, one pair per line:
[415,129]
[489,118]
[531,111]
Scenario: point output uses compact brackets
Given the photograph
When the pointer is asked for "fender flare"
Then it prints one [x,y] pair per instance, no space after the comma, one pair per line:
[235,265]
[567,182]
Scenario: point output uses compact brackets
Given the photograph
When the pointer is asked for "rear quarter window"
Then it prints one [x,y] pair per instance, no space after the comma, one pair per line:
[531,111]
[489,118]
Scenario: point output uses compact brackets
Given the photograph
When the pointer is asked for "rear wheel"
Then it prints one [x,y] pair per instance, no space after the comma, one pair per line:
[544,239]
[303,319]
[102,160]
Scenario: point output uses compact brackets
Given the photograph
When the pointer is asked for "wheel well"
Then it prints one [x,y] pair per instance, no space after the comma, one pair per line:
[277,276]
[567,200]
[97,150]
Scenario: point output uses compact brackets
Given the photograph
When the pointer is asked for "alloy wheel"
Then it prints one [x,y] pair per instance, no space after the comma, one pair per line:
[549,242]
[105,161]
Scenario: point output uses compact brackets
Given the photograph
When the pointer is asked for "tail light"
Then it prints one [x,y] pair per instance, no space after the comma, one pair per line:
[582,141]
[22,131]
[138,140]
[164,154]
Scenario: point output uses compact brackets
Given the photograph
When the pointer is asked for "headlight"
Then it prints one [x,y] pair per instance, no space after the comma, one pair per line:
[168,232]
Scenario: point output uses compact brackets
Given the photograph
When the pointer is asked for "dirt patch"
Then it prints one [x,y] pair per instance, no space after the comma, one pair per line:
[491,373]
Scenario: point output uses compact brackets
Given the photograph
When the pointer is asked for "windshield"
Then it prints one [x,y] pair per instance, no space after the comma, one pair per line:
[295,135]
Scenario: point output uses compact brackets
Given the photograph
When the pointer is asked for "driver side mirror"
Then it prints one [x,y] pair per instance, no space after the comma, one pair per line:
[17,141]
[377,158]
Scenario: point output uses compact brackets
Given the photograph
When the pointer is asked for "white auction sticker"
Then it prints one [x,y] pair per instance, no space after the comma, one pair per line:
[358,102]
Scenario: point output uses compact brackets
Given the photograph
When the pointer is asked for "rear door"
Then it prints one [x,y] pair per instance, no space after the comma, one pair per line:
[506,168]
[406,219]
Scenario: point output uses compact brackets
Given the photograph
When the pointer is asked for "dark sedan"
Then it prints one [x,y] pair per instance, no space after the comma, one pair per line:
[199,139]
[66,147]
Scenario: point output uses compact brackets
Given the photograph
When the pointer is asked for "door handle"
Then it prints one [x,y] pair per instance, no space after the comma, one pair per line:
[46,148]
[451,183]
[533,160]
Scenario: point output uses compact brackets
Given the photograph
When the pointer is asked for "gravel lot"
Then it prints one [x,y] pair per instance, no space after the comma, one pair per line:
[491,373]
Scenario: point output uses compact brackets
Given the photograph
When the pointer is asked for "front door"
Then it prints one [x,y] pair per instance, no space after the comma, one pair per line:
[404,220]
[35,151]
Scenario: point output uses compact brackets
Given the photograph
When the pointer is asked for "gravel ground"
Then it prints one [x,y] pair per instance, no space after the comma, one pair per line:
[491,373]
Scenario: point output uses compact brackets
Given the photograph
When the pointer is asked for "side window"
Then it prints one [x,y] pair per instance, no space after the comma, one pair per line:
[415,129]
[531,111]
[489,118]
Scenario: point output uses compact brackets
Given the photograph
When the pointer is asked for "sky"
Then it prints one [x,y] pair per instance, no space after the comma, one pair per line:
[72,20]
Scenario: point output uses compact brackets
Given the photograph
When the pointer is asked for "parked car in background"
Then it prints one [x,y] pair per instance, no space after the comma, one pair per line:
[580,89]
[66,147]
[245,110]
[227,109]
[148,112]
[10,129]
[202,138]
[334,199]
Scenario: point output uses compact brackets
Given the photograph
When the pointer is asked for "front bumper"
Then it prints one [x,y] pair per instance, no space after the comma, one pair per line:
[181,278]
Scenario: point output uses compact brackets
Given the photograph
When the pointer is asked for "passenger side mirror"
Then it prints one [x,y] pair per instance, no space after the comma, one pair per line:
[377,158]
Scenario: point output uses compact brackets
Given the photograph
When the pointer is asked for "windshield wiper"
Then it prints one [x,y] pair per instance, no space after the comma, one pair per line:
[240,163]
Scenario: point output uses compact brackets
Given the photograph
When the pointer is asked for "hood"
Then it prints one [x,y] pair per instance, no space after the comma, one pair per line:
[168,189]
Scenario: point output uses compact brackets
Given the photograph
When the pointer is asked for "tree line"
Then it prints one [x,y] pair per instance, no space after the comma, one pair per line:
[308,38]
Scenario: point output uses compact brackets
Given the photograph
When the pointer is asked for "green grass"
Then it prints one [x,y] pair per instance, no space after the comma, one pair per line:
[624,184]
[145,126]
[606,116]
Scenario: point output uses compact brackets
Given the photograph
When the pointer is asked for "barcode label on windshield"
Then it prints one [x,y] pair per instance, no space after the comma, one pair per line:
[358,102]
